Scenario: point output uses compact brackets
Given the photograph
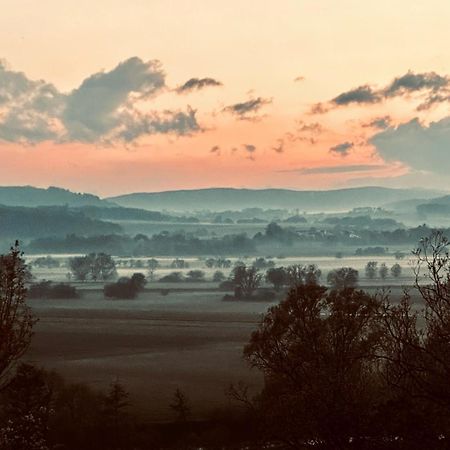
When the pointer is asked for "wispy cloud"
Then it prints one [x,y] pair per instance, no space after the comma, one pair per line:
[248,110]
[380,123]
[342,149]
[197,84]
[431,87]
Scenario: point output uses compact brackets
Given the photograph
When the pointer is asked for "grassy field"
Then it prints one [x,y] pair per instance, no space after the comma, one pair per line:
[189,338]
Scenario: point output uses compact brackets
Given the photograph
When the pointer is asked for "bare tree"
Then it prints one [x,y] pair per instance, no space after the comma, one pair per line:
[16,320]
[418,341]
[180,405]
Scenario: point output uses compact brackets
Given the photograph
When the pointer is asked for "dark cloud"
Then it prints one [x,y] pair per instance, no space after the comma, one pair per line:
[336,169]
[419,146]
[197,84]
[362,94]
[380,123]
[342,149]
[413,82]
[250,148]
[103,109]
[430,86]
[247,110]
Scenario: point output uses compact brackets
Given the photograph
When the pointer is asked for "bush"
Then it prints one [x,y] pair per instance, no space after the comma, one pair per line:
[195,275]
[125,287]
[46,289]
[174,277]
[218,276]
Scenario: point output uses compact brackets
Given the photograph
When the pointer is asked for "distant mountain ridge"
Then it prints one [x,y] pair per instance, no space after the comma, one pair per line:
[219,199]
[53,196]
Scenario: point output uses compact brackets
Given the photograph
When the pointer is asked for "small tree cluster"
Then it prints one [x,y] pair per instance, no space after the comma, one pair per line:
[95,267]
[125,287]
[219,263]
[47,262]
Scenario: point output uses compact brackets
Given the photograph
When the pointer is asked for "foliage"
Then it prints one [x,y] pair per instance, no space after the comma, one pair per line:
[343,278]
[383,271]
[47,262]
[94,266]
[396,270]
[125,287]
[25,411]
[218,276]
[245,280]
[174,277]
[316,351]
[195,275]
[16,320]
[371,269]
[47,289]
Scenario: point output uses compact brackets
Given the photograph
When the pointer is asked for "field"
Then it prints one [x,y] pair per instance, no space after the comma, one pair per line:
[189,338]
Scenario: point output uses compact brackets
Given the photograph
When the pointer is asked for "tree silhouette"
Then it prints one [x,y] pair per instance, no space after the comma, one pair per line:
[16,320]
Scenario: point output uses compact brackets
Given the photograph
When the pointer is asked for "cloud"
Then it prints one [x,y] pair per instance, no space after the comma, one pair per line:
[380,123]
[419,146]
[299,78]
[250,149]
[336,169]
[412,82]
[196,84]
[342,149]
[216,150]
[29,109]
[247,110]
[135,125]
[431,87]
[103,109]
[362,94]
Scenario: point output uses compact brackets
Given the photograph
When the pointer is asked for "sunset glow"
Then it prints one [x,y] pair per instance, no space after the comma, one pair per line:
[296,94]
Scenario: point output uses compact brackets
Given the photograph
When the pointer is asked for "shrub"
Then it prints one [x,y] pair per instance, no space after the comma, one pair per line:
[46,289]
[125,287]
[174,277]
[218,276]
[195,275]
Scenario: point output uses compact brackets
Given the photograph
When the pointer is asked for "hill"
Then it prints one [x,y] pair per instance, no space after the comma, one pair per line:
[219,199]
[52,196]
[24,223]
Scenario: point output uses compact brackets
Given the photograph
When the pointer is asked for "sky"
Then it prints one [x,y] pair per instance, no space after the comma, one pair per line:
[114,96]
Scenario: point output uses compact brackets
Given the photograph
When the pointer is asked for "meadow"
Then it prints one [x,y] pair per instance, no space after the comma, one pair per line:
[173,335]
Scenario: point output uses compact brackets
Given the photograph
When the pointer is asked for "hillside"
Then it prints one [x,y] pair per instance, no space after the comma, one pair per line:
[24,223]
[52,196]
[219,199]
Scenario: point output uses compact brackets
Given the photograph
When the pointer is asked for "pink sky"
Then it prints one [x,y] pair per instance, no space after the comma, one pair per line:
[108,120]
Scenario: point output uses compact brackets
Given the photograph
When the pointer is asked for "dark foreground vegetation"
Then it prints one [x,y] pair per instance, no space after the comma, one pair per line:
[343,369]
